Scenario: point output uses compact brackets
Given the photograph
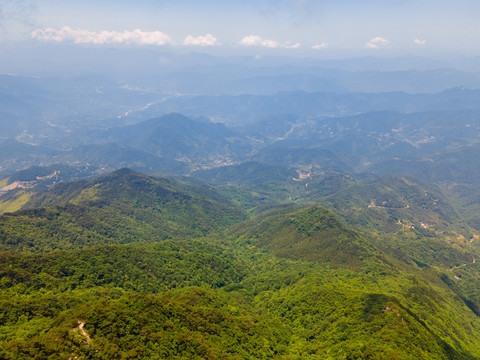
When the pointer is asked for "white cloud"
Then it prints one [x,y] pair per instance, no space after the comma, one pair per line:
[378,43]
[322,45]
[254,40]
[419,42]
[292,46]
[207,40]
[102,37]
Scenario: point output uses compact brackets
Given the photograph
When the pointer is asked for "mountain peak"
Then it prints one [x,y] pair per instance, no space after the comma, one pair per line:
[311,234]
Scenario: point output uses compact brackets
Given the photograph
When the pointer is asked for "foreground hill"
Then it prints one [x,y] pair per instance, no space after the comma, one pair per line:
[121,207]
[135,267]
[313,234]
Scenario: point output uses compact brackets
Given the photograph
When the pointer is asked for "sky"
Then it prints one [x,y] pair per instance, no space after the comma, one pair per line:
[294,27]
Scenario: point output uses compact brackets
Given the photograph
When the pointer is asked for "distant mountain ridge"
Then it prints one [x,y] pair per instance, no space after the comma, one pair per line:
[175,136]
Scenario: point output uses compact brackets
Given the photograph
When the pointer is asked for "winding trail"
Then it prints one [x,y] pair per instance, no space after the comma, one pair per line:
[82,330]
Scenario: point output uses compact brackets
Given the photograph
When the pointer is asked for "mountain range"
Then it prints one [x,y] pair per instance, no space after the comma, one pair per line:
[132,265]
[241,208]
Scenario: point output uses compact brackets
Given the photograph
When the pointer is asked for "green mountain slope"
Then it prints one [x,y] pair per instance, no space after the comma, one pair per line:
[392,202]
[310,234]
[122,207]
[252,185]
[83,274]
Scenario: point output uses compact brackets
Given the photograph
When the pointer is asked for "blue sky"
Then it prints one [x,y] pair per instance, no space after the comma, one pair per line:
[285,26]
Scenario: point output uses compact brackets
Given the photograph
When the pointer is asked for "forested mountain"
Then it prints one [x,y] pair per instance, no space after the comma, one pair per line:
[241,208]
[132,266]
[175,136]
[122,207]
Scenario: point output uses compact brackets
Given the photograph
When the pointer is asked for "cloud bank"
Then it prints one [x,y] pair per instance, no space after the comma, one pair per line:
[207,40]
[378,43]
[102,37]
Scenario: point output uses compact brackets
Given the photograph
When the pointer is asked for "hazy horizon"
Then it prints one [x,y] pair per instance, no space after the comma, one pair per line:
[41,34]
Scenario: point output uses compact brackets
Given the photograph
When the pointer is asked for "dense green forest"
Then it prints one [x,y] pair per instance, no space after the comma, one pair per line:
[129,266]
